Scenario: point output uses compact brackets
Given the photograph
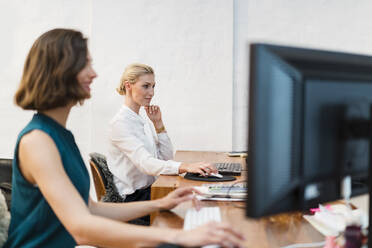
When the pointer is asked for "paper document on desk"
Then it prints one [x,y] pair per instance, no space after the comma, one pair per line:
[221,192]
[334,221]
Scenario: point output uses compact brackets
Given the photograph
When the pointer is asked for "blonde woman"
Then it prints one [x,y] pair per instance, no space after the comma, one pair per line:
[140,148]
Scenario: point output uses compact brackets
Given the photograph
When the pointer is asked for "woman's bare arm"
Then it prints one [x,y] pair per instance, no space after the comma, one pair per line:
[133,210]
[41,164]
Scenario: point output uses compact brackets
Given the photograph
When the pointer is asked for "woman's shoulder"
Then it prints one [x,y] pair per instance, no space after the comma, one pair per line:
[41,124]
[35,139]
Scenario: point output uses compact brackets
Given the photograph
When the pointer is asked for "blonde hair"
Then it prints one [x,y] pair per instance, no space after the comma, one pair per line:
[131,74]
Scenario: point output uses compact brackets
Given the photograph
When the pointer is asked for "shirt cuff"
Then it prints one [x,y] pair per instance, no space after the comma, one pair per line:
[175,167]
[162,134]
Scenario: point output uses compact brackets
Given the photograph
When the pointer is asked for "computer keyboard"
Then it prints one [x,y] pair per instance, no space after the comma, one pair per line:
[196,218]
[229,169]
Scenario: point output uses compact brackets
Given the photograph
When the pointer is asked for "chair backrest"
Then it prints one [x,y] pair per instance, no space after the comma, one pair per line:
[6,170]
[6,179]
[4,220]
[98,180]
[111,193]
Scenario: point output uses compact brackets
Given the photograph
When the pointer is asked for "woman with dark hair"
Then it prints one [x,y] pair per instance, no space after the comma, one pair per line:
[51,206]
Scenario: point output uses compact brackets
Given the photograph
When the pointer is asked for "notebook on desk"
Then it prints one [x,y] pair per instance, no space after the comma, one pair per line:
[222,192]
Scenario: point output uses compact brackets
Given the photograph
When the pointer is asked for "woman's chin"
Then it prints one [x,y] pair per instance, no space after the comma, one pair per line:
[87,95]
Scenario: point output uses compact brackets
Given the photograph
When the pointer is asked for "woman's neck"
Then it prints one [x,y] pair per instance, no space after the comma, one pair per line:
[132,105]
[60,114]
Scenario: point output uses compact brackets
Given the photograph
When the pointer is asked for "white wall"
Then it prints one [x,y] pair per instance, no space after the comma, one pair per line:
[188,43]
[198,49]
[342,25]
[21,22]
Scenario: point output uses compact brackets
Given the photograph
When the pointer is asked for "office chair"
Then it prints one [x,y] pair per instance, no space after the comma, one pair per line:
[98,180]
[104,184]
[6,179]
[103,179]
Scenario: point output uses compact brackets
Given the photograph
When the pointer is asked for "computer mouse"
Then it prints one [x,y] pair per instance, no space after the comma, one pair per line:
[215,175]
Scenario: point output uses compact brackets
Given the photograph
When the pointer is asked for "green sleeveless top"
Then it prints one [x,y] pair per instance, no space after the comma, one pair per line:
[33,222]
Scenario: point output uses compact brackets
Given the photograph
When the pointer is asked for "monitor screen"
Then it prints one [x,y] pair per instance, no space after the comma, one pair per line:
[301,104]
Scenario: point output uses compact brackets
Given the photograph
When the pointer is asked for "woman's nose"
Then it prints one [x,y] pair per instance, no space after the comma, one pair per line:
[93,74]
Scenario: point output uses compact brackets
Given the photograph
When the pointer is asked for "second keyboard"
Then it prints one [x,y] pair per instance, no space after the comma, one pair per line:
[229,169]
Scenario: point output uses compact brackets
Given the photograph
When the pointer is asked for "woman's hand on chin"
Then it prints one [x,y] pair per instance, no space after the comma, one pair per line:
[154,113]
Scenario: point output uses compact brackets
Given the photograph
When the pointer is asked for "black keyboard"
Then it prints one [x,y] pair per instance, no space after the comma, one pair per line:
[229,169]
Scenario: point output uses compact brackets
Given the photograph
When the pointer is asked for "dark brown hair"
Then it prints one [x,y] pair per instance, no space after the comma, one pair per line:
[49,77]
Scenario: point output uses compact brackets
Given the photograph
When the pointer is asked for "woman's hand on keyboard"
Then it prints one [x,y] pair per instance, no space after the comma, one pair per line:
[177,196]
[216,233]
[201,167]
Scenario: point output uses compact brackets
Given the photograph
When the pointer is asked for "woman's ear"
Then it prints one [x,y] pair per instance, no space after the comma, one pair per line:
[127,85]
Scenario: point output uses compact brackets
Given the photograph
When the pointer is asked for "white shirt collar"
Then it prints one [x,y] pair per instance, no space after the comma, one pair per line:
[133,114]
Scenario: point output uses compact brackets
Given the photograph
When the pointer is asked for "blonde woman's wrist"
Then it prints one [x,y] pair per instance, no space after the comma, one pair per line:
[182,168]
[160,130]
[159,126]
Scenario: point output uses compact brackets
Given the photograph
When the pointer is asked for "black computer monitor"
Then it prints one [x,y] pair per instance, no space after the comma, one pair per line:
[309,122]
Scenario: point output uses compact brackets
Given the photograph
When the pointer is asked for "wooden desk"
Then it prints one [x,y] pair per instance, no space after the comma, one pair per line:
[165,184]
[275,231]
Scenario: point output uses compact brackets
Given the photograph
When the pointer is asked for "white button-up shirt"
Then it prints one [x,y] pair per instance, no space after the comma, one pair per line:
[137,154]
